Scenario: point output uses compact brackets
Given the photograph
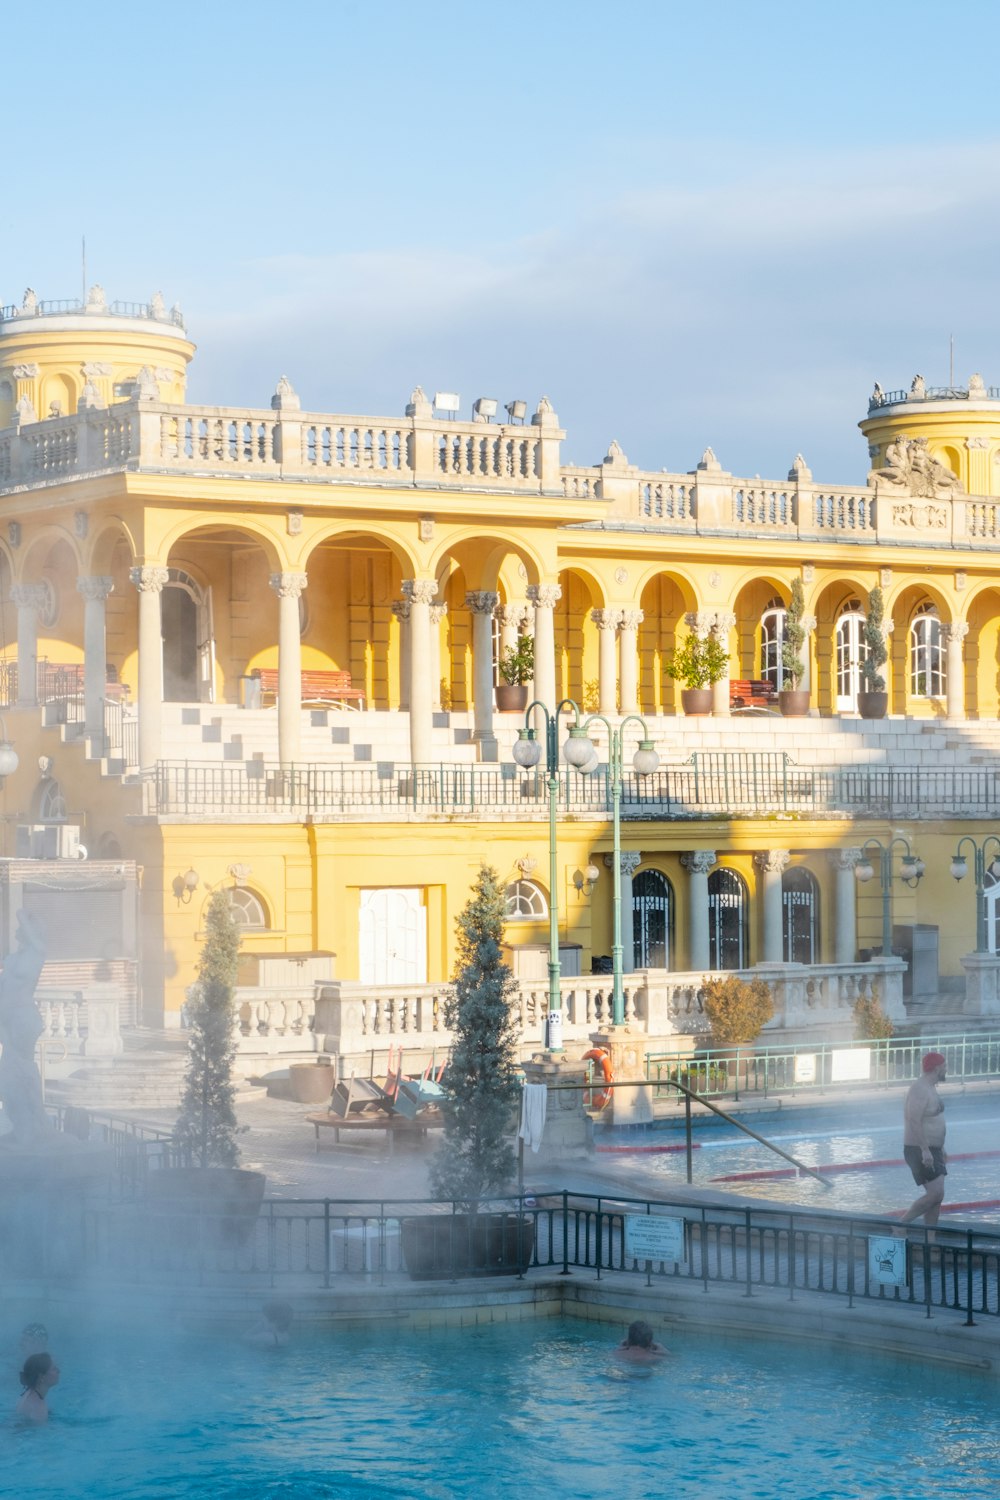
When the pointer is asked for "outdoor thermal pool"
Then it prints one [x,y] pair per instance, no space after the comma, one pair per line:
[534,1407]
[854,1135]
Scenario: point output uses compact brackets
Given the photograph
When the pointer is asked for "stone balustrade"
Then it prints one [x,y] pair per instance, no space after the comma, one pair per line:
[273,1020]
[87,1022]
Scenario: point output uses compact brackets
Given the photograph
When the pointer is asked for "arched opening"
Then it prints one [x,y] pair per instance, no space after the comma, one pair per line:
[850,652]
[727,920]
[927,656]
[772,638]
[652,920]
[188,640]
[800,916]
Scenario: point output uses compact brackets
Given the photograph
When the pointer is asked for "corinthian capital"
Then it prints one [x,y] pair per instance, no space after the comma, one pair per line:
[544,595]
[288,585]
[957,630]
[606,619]
[513,616]
[699,861]
[419,590]
[631,619]
[772,861]
[481,602]
[29,595]
[95,588]
[401,609]
[437,613]
[844,859]
[629,861]
[149,580]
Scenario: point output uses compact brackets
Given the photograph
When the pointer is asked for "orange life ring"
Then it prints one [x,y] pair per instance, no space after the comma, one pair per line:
[600,1097]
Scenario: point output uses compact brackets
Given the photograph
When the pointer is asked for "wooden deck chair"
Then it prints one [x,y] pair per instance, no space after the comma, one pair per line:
[356,1096]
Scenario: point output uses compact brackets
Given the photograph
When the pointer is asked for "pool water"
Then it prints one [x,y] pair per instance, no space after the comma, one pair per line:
[530,1408]
[725,1159]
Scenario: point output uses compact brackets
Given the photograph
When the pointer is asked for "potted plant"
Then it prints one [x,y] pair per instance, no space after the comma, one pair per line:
[516,668]
[698,663]
[209,1184]
[873,700]
[476,1158]
[737,1009]
[793,700]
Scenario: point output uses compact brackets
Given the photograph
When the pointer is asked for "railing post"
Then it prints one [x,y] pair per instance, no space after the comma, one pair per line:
[970,1321]
[565,1267]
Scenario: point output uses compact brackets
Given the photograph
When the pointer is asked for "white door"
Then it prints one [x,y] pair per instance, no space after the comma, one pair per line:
[851,652]
[392,937]
[206,648]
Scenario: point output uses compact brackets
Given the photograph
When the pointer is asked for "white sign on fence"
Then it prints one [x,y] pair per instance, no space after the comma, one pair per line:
[887,1260]
[653,1237]
[805,1067]
[851,1065]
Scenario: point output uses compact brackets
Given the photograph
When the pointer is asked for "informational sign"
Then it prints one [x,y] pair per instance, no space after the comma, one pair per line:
[886,1260]
[805,1067]
[653,1237]
[851,1065]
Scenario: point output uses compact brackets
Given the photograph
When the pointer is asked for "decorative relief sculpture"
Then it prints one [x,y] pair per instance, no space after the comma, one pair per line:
[920,517]
[910,466]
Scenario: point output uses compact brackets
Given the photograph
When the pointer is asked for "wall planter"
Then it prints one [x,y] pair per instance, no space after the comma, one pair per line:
[311,1083]
[696,702]
[873,705]
[445,1247]
[512,698]
[794,702]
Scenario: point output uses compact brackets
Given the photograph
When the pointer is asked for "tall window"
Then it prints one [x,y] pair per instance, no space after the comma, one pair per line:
[800,916]
[772,635]
[652,920]
[851,649]
[927,661]
[525,902]
[727,920]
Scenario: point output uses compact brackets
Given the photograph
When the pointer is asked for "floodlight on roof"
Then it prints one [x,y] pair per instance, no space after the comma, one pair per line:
[516,410]
[448,401]
[485,408]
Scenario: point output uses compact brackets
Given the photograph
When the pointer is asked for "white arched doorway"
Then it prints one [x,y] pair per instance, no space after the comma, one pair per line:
[188,640]
[850,651]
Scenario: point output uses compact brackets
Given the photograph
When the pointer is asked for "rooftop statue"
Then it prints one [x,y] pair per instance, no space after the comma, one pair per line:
[20,1028]
[918,388]
[29,302]
[977,387]
[911,468]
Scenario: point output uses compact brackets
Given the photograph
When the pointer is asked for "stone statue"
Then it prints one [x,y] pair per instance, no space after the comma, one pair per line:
[157,306]
[911,467]
[29,302]
[878,395]
[918,388]
[20,1028]
[977,387]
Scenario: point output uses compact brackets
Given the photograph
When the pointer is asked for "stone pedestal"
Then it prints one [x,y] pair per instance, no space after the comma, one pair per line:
[629,1106]
[982,984]
[568,1134]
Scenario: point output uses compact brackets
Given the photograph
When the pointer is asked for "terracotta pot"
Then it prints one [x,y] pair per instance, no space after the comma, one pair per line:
[873,705]
[794,702]
[443,1247]
[511,697]
[696,701]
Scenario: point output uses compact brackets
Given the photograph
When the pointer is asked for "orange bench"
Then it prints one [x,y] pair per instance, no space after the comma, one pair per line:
[751,692]
[318,686]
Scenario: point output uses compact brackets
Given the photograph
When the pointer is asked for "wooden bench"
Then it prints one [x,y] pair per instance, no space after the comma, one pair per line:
[318,686]
[752,692]
[391,1125]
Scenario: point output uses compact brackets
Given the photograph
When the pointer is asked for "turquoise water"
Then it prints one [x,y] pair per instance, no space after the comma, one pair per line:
[530,1408]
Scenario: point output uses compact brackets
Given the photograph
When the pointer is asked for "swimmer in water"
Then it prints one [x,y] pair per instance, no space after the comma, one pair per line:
[638,1346]
[39,1375]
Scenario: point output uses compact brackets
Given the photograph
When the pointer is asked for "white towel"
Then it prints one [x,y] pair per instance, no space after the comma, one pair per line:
[534,1102]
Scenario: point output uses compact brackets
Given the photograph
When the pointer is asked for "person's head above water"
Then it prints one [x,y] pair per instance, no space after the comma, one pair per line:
[640,1335]
[932,1061]
[40,1373]
[279,1315]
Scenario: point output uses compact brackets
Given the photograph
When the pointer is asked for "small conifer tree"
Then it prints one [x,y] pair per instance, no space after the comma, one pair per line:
[874,636]
[871,1024]
[477,1156]
[206,1124]
[737,1009]
[793,639]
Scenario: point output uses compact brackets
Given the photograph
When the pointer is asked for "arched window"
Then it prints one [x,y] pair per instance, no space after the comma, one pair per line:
[927,661]
[50,805]
[851,651]
[772,635]
[800,916]
[727,920]
[652,920]
[525,902]
[248,908]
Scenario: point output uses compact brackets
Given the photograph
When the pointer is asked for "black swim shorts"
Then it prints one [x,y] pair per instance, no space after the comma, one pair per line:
[923,1174]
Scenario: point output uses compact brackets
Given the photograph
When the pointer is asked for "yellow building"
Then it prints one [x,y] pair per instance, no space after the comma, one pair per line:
[258,647]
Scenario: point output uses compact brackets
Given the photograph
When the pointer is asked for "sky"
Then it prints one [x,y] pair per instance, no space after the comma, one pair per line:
[685,224]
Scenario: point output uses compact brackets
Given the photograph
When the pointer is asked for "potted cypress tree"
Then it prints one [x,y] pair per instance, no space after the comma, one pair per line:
[516,669]
[793,700]
[210,1183]
[698,662]
[873,700]
[477,1157]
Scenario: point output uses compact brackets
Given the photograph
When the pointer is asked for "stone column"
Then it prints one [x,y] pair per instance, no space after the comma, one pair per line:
[513,619]
[95,591]
[845,941]
[628,659]
[288,587]
[482,604]
[29,598]
[545,597]
[772,863]
[401,609]
[631,859]
[150,582]
[954,634]
[419,592]
[698,863]
[606,621]
[722,624]
[808,623]
[437,614]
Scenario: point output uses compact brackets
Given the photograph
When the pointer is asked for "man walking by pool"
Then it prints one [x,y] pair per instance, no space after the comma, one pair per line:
[923,1139]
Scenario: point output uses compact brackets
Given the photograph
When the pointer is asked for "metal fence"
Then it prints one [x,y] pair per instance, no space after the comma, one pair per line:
[733,1072]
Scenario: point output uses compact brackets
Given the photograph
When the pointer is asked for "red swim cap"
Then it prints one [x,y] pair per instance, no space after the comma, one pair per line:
[932,1060]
